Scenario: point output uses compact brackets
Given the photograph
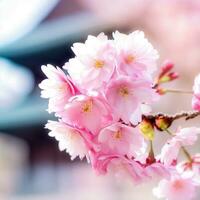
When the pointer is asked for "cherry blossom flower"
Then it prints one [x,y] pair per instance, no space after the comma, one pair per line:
[183,137]
[89,112]
[69,138]
[123,167]
[192,166]
[118,166]
[94,63]
[135,54]
[126,96]
[156,170]
[178,187]
[122,139]
[196,96]
[187,136]
[57,87]
[169,152]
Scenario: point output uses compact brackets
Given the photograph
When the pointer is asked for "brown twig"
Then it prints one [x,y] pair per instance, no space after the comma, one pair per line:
[186,115]
[152,118]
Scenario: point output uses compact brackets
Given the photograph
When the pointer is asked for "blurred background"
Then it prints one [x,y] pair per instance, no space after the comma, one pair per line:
[37,32]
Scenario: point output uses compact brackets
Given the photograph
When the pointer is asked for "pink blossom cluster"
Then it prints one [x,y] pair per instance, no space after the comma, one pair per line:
[196,96]
[100,102]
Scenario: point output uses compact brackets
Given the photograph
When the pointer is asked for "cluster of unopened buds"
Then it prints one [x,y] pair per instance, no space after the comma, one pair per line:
[102,99]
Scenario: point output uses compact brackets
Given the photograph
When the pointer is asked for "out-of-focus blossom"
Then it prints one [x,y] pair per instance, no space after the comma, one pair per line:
[181,16]
[94,63]
[123,14]
[122,167]
[157,171]
[169,152]
[187,136]
[57,87]
[122,139]
[189,164]
[69,139]
[183,137]
[135,55]
[178,187]
[118,166]
[192,166]
[196,95]
[126,95]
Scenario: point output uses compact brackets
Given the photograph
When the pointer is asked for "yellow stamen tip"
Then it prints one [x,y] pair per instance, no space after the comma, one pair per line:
[99,64]
[118,134]
[124,92]
[87,107]
[129,59]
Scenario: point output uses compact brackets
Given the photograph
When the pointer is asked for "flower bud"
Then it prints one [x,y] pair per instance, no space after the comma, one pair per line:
[173,76]
[168,77]
[147,129]
[166,67]
[165,74]
[162,123]
[164,79]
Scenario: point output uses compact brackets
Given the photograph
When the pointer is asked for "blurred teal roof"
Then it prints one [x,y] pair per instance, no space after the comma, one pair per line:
[53,33]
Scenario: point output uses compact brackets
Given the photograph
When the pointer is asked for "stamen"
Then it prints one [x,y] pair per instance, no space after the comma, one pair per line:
[99,64]
[87,107]
[124,91]
[118,135]
[129,59]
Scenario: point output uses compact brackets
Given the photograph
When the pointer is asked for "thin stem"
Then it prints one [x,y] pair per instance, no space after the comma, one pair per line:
[151,152]
[169,132]
[187,154]
[177,91]
[186,115]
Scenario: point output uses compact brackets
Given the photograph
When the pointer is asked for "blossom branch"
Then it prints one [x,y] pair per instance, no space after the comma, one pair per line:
[186,115]
[104,125]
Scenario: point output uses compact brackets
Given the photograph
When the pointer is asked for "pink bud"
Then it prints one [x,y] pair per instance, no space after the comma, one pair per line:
[166,67]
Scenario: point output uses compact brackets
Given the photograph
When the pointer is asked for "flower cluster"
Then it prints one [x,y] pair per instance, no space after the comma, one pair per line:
[103,102]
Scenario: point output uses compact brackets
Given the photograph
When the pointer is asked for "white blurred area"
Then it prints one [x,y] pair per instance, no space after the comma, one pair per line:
[16,83]
[18,17]
[13,162]
[79,182]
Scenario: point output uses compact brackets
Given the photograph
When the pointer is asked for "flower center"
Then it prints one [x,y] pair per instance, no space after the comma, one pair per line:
[178,184]
[124,91]
[129,59]
[87,107]
[99,64]
[118,135]
[61,88]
